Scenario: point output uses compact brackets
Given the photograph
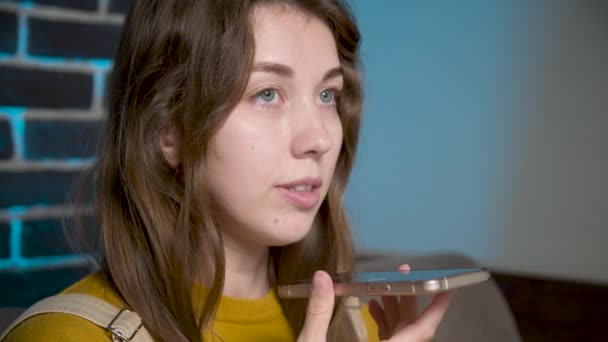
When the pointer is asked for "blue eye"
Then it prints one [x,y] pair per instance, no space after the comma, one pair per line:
[328,96]
[267,95]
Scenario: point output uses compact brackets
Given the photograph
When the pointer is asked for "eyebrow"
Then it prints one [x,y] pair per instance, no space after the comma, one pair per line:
[287,72]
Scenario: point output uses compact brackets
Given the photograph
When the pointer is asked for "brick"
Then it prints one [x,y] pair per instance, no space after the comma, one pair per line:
[120,6]
[8,32]
[47,237]
[87,5]
[24,288]
[5,240]
[107,91]
[38,187]
[44,237]
[44,88]
[61,138]
[6,140]
[70,39]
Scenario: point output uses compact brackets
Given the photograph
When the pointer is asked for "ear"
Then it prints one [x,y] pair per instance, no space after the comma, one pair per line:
[169,145]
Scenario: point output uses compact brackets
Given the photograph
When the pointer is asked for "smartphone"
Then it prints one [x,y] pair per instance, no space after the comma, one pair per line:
[392,283]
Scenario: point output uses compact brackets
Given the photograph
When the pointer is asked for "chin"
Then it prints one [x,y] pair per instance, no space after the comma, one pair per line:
[291,235]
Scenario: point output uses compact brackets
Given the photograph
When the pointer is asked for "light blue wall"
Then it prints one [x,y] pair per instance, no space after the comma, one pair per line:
[451,92]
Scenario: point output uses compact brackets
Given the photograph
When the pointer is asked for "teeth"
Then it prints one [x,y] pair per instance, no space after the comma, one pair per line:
[302,188]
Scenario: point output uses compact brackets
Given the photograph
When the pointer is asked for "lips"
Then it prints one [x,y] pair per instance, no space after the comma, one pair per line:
[303,193]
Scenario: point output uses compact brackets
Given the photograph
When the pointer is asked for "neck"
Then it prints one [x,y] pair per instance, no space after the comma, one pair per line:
[246,269]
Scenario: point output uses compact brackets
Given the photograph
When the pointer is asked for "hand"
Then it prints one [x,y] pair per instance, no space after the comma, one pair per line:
[320,309]
[397,320]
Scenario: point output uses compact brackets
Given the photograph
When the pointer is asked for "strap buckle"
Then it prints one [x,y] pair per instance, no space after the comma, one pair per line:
[118,332]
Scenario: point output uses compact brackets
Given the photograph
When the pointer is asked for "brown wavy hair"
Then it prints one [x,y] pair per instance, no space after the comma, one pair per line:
[185,64]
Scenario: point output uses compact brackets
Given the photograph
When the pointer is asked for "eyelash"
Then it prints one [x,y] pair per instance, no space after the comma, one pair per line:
[257,96]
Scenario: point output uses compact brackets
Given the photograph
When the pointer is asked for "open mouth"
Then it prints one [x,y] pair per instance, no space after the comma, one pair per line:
[303,194]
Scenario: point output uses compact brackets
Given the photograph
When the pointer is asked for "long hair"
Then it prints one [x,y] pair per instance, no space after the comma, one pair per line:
[185,64]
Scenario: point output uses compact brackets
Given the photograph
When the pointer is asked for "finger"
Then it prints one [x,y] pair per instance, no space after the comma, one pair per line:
[407,309]
[378,315]
[391,311]
[320,308]
[424,328]
[404,268]
[433,314]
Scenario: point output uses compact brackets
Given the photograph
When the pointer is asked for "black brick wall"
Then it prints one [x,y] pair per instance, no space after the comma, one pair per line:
[86,40]
[23,188]
[61,138]
[107,90]
[120,6]
[88,5]
[5,234]
[44,88]
[46,237]
[21,288]
[6,141]
[53,91]
[8,32]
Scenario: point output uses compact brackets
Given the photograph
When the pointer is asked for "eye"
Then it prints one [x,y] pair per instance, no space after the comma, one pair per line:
[328,96]
[267,95]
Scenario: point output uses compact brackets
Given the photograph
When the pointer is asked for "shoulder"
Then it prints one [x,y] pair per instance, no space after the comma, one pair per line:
[56,327]
[97,285]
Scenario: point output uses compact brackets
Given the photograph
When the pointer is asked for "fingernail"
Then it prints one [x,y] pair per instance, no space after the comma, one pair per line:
[318,282]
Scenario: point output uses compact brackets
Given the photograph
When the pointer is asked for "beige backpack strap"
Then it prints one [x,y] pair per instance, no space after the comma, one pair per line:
[124,325]
[353,307]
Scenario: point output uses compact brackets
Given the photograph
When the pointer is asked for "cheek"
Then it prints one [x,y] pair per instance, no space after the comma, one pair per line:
[340,136]
[332,156]
[337,133]
[238,147]
[239,165]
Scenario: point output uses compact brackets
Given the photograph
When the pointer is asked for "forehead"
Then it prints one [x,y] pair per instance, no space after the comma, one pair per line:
[285,34]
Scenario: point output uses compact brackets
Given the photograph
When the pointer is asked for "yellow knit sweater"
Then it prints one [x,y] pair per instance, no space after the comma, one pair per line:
[236,319]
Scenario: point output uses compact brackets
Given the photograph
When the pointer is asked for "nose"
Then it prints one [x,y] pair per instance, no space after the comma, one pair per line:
[311,136]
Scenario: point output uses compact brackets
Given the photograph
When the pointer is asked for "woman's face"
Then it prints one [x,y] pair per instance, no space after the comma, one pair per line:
[272,161]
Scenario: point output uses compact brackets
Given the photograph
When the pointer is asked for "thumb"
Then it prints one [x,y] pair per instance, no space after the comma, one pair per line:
[320,309]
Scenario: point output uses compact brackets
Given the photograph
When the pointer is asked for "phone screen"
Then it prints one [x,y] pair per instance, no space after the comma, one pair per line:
[398,276]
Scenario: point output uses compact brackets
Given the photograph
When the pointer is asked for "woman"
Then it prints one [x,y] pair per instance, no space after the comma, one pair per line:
[229,142]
